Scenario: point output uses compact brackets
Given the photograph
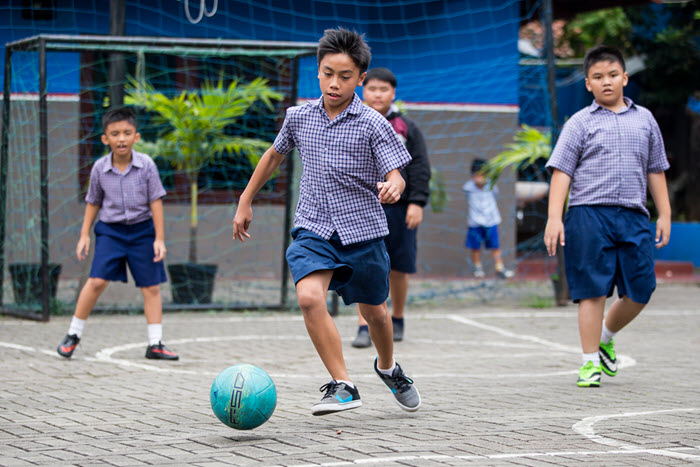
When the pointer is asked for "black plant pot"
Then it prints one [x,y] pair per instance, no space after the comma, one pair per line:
[26,282]
[192,283]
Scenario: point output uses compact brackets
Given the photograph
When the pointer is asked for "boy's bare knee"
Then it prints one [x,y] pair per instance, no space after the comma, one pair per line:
[375,315]
[96,284]
[309,298]
[151,290]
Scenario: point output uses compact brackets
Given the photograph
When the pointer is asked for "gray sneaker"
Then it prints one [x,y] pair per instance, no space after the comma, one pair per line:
[405,393]
[362,340]
[338,397]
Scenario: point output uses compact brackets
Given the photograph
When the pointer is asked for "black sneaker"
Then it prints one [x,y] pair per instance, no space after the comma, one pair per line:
[160,352]
[338,397]
[68,345]
[398,329]
[362,340]
[405,393]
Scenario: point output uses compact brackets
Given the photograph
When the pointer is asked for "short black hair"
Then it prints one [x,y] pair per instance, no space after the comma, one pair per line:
[381,74]
[118,115]
[477,165]
[602,53]
[341,40]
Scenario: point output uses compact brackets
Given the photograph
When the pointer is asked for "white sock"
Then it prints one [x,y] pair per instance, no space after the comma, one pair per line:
[76,326]
[348,383]
[606,334]
[155,333]
[591,357]
[390,371]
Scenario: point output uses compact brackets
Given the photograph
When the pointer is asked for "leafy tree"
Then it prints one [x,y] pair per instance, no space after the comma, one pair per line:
[196,123]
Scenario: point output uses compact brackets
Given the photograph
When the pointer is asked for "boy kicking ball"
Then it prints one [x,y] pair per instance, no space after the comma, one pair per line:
[608,153]
[351,159]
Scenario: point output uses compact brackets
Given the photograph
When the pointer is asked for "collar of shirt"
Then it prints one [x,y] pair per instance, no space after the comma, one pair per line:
[354,108]
[135,162]
[628,102]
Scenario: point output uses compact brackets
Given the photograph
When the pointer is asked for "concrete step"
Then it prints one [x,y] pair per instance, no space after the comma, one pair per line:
[543,268]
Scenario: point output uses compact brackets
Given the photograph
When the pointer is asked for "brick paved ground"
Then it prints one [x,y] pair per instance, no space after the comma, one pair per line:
[497,379]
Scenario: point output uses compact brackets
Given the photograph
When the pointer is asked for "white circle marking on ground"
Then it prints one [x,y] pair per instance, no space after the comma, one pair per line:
[585,428]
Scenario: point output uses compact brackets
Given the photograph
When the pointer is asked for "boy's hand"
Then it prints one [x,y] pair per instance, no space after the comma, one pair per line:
[241,221]
[663,232]
[388,192]
[83,247]
[414,216]
[553,235]
[159,250]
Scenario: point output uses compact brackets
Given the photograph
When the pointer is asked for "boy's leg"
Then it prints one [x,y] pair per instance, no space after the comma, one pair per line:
[381,332]
[87,299]
[398,287]
[89,294]
[153,309]
[311,294]
[621,313]
[590,322]
[391,373]
[362,340]
[152,304]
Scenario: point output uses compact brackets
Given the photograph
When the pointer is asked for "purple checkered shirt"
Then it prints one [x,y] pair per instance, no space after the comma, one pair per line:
[343,159]
[124,197]
[608,155]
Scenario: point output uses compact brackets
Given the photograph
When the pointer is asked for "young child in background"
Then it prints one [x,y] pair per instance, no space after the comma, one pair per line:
[483,221]
[608,153]
[126,191]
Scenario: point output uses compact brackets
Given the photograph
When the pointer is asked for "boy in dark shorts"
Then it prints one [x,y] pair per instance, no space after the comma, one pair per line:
[608,153]
[351,159]
[126,191]
[404,216]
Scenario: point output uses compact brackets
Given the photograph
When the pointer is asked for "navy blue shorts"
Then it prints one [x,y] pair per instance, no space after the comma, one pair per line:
[478,235]
[360,270]
[401,241]
[608,246]
[117,245]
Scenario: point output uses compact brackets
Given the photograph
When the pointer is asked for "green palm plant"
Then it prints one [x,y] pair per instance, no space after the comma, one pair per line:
[529,144]
[196,122]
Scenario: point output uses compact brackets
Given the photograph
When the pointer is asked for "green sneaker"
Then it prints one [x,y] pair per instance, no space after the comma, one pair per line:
[589,376]
[608,361]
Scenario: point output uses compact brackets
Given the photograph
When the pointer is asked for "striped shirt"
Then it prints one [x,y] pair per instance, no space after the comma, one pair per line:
[343,160]
[609,155]
[124,198]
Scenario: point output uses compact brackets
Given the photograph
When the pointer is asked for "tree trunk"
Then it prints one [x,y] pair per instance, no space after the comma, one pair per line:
[193,221]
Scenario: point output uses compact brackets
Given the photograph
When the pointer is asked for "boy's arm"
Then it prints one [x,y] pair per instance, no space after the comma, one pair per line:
[659,192]
[83,247]
[554,231]
[269,162]
[390,190]
[159,243]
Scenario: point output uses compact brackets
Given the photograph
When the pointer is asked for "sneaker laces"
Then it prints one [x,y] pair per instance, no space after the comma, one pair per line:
[329,388]
[401,381]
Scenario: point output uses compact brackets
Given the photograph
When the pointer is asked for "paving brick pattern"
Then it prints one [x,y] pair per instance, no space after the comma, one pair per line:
[497,380]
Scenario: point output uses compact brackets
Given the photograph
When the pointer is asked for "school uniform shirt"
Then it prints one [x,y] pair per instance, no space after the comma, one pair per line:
[483,209]
[124,198]
[343,160]
[608,155]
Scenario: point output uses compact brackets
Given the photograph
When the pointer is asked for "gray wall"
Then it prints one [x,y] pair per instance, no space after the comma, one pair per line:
[454,138]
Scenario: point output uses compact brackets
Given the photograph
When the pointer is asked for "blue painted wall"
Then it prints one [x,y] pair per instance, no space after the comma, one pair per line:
[458,51]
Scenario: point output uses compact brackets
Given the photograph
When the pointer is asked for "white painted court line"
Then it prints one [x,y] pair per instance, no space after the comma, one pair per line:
[519,455]
[585,428]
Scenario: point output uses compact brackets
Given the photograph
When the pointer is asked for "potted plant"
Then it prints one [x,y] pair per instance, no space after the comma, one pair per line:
[196,122]
[530,145]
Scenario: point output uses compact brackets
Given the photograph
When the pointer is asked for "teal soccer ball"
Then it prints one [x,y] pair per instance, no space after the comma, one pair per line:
[243,396]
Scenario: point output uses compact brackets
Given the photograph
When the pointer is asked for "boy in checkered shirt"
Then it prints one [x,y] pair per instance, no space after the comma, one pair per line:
[608,153]
[351,159]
